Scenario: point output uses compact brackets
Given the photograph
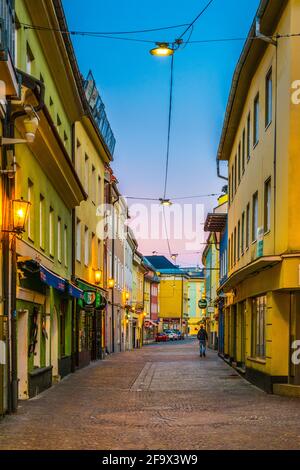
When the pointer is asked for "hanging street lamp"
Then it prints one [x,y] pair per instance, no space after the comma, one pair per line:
[163,49]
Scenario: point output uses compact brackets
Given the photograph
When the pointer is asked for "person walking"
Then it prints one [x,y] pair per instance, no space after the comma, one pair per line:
[202,336]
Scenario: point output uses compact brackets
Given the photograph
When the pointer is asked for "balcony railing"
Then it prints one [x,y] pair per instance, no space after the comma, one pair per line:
[7,22]
[98,111]
[9,85]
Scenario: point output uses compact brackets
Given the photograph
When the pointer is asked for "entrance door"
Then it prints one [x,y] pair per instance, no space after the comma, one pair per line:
[243,334]
[54,343]
[294,374]
[23,354]
[233,332]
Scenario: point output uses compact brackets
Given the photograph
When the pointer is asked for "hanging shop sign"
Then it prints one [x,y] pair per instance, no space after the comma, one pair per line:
[260,242]
[91,298]
[202,303]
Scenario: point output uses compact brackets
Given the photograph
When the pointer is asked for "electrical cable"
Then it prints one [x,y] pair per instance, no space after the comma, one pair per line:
[196,19]
[169,126]
[166,230]
[96,33]
[137,198]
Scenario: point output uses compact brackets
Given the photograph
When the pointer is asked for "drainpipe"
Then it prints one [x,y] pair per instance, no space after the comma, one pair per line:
[10,292]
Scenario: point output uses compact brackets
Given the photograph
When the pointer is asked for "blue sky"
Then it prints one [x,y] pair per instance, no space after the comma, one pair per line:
[134,87]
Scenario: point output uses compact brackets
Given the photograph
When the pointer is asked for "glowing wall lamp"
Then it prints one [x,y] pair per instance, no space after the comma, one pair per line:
[98,276]
[111,283]
[20,210]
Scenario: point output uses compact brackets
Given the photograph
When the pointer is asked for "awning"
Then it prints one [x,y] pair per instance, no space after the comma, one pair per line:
[215,222]
[52,280]
[74,291]
[255,267]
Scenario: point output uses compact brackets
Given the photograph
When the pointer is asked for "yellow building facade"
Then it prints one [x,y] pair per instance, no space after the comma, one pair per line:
[260,141]
[173,300]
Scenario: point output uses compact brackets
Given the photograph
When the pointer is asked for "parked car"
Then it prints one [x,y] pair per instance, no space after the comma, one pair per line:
[171,335]
[179,334]
[161,337]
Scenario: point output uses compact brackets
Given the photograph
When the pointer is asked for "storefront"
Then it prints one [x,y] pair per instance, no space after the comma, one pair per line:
[150,331]
[44,318]
[90,324]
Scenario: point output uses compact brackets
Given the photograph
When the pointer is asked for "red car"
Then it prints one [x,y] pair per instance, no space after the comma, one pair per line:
[161,337]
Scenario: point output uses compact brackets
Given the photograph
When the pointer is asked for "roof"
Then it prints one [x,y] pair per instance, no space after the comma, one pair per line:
[269,11]
[160,262]
[215,222]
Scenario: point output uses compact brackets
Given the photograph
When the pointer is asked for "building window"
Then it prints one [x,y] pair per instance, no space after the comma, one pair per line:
[65,139]
[232,182]
[269,98]
[94,255]
[30,223]
[78,159]
[78,240]
[259,310]
[256,121]
[243,151]
[99,264]
[29,59]
[229,189]
[229,253]
[86,246]
[59,244]
[86,174]
[93,185]
[58,123]
[243,234]
[51,232]
[235,174]
[239,164]
[234,247]
[248,226]
[267,208]
[248,137]
[232,250]
[66,246]
[99,189]
[254,216]
[239,241]
[42,222]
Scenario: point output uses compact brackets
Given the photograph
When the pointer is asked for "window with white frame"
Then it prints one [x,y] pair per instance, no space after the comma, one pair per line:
[51,232]
[86,246]
[42,222]
[59,240]
[267,208]
[78,240]
[30,219]
[254,216]
[66,260]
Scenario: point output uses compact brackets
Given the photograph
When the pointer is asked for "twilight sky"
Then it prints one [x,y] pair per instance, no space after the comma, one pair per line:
[135,89]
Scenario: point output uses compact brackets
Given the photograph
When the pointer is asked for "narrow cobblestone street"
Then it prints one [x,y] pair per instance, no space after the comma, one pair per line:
[160,397]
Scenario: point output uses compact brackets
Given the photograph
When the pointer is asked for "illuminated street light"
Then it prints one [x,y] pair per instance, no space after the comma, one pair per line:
[166,202]
[162,50]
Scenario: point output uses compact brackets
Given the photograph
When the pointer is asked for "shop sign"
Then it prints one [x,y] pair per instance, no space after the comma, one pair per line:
[211,310]
[202,303]
[89,297]
[260,242]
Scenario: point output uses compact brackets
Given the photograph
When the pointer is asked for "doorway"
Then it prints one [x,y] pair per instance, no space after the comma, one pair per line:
[294,369]
[54,342]
[23,353]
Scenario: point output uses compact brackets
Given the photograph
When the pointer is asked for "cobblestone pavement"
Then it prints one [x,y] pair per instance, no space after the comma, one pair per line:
[161,397]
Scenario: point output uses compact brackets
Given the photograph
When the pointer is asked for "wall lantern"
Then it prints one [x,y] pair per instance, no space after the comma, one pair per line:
[20,210]
[111,283]
[98,277]
[127,296]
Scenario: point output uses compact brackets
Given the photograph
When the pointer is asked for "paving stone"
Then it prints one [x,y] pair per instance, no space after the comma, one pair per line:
[161,397]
